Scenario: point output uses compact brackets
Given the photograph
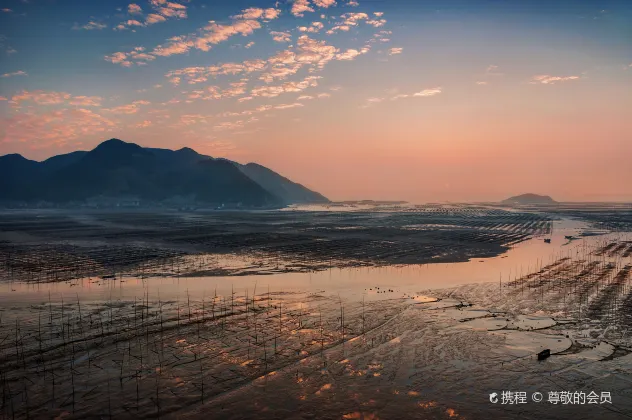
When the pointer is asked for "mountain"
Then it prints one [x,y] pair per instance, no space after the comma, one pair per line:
[18,176]
[290,192]
[116,171]
[527,199]
[54,163]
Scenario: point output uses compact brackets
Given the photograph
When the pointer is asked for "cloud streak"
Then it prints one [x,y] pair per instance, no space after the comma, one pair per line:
[546,79]
[90,26]
[42,97]
[15,73]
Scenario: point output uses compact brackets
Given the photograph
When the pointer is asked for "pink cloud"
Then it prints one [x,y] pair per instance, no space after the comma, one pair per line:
[42,130]
[124,109]
[154,18]
[42,97]
[136,56]
[314,28]
[325,3]
[144,124]
[350,54]
[281,36]
[299,7]
[288,87]
[258,13]
[134,9]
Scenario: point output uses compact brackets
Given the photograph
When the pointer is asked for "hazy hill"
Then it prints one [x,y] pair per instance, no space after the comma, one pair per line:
[117,169]
[290,192]
[526,199]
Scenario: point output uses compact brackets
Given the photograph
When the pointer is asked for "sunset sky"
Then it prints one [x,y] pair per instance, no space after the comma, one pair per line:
[418,100]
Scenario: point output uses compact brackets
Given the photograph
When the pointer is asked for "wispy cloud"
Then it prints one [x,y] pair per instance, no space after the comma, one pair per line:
[271,91]
[353,19]
[203,39]
[169,9]
[492,70]
[42,97]
[258,13]
[372,101]
[90,26]
[136,56]
[195,75]
[288,106]
[123,109]
[162,10]
[394,51]
[54,128]
[5,47]
[546,79]
[424,93]
[428,92]
[144,124]
[85,100]
[15,73]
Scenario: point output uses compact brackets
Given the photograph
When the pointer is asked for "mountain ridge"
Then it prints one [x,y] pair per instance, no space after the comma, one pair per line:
[118,169]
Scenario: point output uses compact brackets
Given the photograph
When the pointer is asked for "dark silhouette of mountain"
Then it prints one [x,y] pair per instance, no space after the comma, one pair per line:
[18,176]
[290,192]
[526,199]
[55,163]
[116,170]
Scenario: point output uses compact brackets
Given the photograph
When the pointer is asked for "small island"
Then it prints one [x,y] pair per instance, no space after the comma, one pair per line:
[529,199]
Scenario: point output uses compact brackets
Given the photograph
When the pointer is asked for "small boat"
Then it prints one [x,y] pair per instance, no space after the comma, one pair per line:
[544,354]
[547,240]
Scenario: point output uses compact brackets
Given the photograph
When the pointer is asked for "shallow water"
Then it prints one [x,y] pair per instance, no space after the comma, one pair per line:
[369,283]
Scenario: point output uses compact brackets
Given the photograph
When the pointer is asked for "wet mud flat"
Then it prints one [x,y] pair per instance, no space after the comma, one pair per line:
[601,216]
[50,246]
[265,354]
[253,352]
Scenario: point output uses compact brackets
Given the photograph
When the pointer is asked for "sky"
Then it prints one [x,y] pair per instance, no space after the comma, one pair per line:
[417,100]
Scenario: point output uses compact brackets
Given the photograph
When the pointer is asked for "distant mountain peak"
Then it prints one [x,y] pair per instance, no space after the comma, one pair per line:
[116,144]
[14,157]
[529,198]
[187,151]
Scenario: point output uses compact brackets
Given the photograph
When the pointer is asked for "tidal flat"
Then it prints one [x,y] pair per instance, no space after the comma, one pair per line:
[382,313]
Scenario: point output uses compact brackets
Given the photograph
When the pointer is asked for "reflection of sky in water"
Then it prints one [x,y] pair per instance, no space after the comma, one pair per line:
[350,283]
